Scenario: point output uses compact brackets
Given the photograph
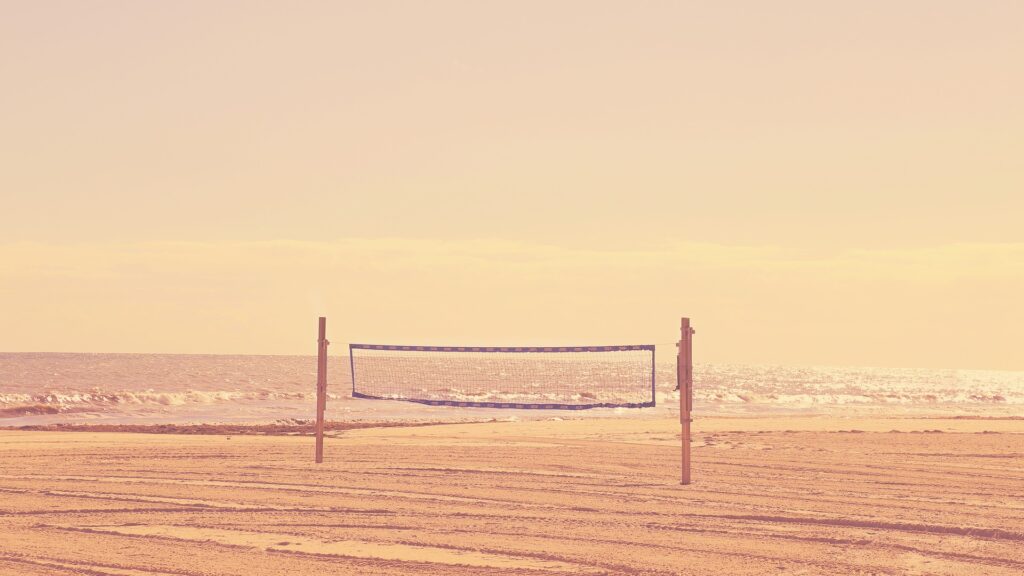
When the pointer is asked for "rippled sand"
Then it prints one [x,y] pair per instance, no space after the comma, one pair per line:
[771,495]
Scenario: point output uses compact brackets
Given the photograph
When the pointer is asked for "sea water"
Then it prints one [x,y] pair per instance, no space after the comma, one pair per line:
[45,388]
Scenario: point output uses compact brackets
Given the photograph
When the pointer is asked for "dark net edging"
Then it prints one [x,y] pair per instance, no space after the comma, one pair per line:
[517,405]
[507,349]
[625,348]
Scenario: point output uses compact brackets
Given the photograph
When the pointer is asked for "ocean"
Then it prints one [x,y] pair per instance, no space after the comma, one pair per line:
[48,388]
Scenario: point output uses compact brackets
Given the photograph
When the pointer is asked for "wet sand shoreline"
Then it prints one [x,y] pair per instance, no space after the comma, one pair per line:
[820,422]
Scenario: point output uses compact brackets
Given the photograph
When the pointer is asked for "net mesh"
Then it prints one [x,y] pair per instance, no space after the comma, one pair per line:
[562,378]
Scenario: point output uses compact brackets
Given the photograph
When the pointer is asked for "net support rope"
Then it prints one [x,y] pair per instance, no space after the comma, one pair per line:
[552,378]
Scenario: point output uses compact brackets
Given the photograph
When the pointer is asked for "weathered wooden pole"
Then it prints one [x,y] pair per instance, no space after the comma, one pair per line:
[684,380]
[321,388]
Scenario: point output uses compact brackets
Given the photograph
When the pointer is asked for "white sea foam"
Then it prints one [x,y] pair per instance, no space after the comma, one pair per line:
[97,398]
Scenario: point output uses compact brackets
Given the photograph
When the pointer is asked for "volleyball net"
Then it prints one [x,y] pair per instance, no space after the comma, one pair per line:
[553,378]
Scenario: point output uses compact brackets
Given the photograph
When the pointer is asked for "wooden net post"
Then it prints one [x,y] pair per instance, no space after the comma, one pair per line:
[684,380]
[321,388]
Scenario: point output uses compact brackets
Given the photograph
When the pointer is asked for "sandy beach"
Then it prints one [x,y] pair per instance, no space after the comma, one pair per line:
[462,288]
[593,496]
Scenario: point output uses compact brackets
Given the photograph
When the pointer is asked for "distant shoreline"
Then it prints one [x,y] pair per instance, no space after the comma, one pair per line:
[298,429]
[788,423]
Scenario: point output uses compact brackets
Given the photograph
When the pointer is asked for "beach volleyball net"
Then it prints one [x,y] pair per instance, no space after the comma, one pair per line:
[554,378]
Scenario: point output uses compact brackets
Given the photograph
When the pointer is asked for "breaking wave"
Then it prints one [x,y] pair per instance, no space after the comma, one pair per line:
[96,400]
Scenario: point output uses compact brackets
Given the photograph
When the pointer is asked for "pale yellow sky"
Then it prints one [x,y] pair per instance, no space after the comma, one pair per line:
[813,182]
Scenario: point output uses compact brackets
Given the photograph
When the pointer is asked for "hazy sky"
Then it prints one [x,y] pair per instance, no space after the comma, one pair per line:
[813,182]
